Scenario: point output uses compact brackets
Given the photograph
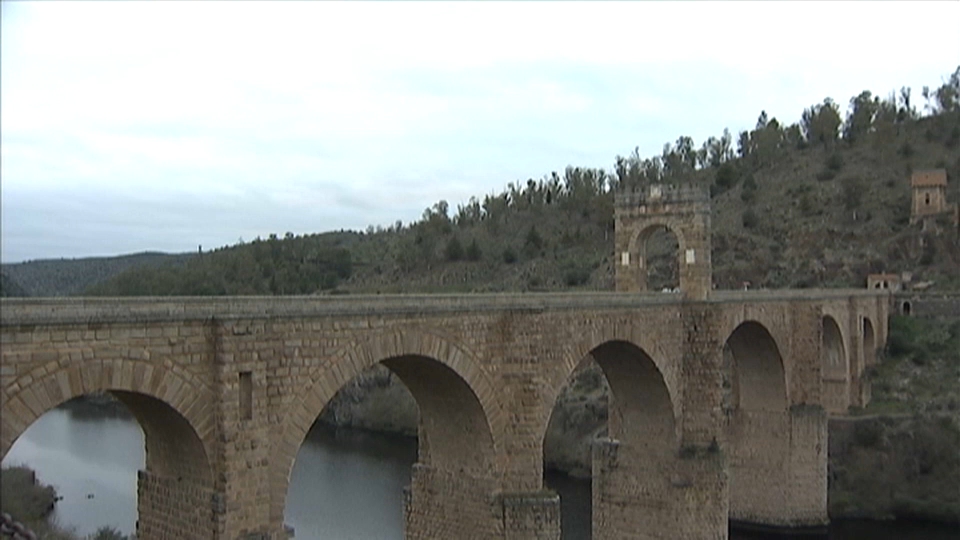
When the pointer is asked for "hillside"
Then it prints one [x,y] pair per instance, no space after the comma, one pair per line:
[821,202]
[68,277]
[793,206]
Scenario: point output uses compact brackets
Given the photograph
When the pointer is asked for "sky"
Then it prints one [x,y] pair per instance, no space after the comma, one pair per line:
[164,126]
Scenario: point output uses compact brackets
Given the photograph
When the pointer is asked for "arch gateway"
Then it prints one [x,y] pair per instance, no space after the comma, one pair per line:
[237,381]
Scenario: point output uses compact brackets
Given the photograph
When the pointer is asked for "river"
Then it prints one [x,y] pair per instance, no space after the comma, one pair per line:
[340,475]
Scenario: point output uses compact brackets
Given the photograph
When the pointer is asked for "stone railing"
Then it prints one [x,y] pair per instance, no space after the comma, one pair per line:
[27,311]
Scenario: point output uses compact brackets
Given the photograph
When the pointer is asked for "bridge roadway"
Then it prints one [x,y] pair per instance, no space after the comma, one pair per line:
[718,406]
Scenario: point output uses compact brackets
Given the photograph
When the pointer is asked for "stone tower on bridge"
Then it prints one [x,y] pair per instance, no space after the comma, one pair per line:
[682,209]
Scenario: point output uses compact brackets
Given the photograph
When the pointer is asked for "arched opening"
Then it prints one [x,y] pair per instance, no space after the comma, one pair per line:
[350,483]
[869,344]
[616,395]
[754,372]
[835,370]
[758,428]
[833,358]
[905,308]
[658,253]
[119,459]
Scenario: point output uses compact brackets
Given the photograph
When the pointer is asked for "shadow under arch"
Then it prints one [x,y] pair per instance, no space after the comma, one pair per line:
[638,247]
[175,489]
[459,416]
[833,357]
[754,370]
[859,386]
[869,343]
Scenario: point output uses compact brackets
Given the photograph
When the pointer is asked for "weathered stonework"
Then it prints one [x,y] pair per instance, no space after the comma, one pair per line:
[685,211]
[226,389]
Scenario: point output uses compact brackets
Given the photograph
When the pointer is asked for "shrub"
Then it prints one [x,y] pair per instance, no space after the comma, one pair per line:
[834,162]
[576,275]
[750,219]
[727,176]
[749,192]
[454,251]
[509,255]
[852,193]
[473,251]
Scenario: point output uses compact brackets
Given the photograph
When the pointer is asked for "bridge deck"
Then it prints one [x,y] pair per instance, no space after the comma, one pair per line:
[77,310]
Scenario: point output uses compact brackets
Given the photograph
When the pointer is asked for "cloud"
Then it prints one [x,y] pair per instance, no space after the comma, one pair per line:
[131,126]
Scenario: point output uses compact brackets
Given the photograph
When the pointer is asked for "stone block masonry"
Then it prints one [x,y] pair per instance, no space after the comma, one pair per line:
[226,389]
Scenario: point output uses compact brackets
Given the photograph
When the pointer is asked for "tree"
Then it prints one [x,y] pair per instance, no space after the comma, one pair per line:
[820,123]
[533,243]
[906,111]
[948,95]
[473,251]
[863,112]
[454,251]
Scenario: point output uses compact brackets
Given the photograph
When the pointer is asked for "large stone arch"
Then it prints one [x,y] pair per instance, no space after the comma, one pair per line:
[175,491]
[597,337]
[443,377]
[30,396]
[755,369]
[835,365]
[833,349]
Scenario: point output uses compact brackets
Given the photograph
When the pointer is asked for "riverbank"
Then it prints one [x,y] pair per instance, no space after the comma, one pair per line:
[30,503]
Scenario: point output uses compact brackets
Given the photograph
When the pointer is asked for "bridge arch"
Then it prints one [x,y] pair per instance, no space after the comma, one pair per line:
[638,249]
[869,343]
[619,332]
[176,417]
[756,375]
[460,418]
[31,395]
[833,357]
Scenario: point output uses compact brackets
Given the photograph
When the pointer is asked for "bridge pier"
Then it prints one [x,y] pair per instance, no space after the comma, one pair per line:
[531,516]
[637,495]
[447,504]
[778,467]
[175,507]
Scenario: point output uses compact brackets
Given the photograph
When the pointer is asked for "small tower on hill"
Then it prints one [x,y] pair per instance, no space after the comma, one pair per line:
[929,194]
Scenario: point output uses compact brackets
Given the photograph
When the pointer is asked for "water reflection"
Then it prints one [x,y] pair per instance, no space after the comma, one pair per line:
[93,464]
[340,476]
[346,484]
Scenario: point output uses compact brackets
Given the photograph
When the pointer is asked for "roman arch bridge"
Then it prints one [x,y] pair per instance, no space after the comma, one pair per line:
[718,411]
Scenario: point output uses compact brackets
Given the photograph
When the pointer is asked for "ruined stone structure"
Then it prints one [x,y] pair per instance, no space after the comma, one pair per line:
[683,210]
[930,196]
[718,409]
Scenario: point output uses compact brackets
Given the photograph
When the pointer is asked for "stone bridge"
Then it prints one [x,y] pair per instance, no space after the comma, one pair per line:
[718,411]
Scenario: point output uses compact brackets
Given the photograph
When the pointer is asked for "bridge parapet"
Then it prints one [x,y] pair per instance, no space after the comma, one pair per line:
[55,311]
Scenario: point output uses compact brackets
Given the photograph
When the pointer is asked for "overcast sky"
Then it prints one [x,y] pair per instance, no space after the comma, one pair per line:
[166,125]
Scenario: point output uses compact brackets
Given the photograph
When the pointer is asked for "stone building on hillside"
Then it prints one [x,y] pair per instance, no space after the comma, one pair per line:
[930,197]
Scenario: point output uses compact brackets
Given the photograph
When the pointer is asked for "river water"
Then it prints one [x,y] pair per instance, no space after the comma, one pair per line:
[340,475]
